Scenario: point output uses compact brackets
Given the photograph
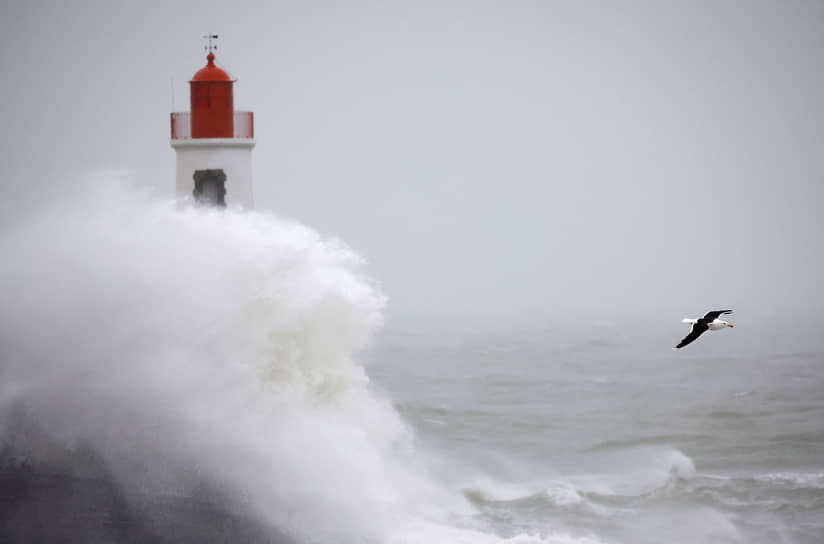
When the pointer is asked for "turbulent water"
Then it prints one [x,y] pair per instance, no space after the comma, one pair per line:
[182,375]
[603,434]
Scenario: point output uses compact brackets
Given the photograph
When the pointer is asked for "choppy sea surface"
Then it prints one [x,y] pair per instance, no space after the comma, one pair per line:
[188,375]
[604,434]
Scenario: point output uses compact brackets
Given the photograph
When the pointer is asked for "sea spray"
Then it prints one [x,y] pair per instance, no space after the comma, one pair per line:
[200,349]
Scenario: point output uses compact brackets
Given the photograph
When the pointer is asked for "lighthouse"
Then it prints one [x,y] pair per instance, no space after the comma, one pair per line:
[213,142]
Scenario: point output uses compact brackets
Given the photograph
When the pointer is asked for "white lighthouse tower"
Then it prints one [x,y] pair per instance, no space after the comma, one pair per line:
[213,142]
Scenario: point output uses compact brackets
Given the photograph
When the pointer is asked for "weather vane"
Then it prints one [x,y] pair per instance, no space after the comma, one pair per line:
[210,47]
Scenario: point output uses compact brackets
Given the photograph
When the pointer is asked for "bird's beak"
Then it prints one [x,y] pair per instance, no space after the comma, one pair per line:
[730,325]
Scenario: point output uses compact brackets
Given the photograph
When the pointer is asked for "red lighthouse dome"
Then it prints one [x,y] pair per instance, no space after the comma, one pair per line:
[212,102]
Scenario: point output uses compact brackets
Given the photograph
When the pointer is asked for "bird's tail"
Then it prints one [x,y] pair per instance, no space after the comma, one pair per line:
[690,321]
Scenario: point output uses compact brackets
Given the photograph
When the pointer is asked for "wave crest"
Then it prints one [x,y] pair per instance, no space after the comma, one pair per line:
[192,346]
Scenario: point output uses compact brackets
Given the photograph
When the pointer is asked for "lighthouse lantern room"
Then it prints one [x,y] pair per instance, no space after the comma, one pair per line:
[213,142]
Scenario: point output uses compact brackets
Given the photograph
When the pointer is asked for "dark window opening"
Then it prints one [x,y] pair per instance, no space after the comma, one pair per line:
[210,187]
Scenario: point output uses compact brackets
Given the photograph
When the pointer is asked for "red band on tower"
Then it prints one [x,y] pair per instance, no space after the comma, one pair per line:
[212,102]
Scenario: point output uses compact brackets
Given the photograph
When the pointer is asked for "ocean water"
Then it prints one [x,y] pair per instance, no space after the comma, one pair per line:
[601,433]
[180,375]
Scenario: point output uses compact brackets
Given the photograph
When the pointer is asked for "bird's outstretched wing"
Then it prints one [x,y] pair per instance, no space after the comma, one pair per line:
[697,330]
[715,314]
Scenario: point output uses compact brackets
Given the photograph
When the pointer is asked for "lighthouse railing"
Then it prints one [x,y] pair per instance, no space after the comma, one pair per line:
[244,125]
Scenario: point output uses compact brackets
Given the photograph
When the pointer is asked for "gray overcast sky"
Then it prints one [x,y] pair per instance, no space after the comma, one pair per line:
[487,158]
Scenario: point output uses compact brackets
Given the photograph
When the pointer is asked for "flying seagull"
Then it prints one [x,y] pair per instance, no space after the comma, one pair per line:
[709,322]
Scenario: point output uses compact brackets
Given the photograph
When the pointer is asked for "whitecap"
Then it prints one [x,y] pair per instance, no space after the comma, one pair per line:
[810,480]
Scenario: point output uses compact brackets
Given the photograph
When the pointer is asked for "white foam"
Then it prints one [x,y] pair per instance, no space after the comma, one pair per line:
[187,345]
[558,492]
[637,471]
[812,480]
[563,494]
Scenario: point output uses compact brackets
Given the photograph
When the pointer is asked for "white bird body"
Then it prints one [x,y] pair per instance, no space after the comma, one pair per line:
[719,324]
[714,325]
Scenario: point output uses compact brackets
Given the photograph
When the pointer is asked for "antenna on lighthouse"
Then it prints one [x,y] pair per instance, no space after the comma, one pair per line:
[210,47]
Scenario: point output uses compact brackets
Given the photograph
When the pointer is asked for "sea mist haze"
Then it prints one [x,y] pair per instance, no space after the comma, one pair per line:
[233,363]
[449,319]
